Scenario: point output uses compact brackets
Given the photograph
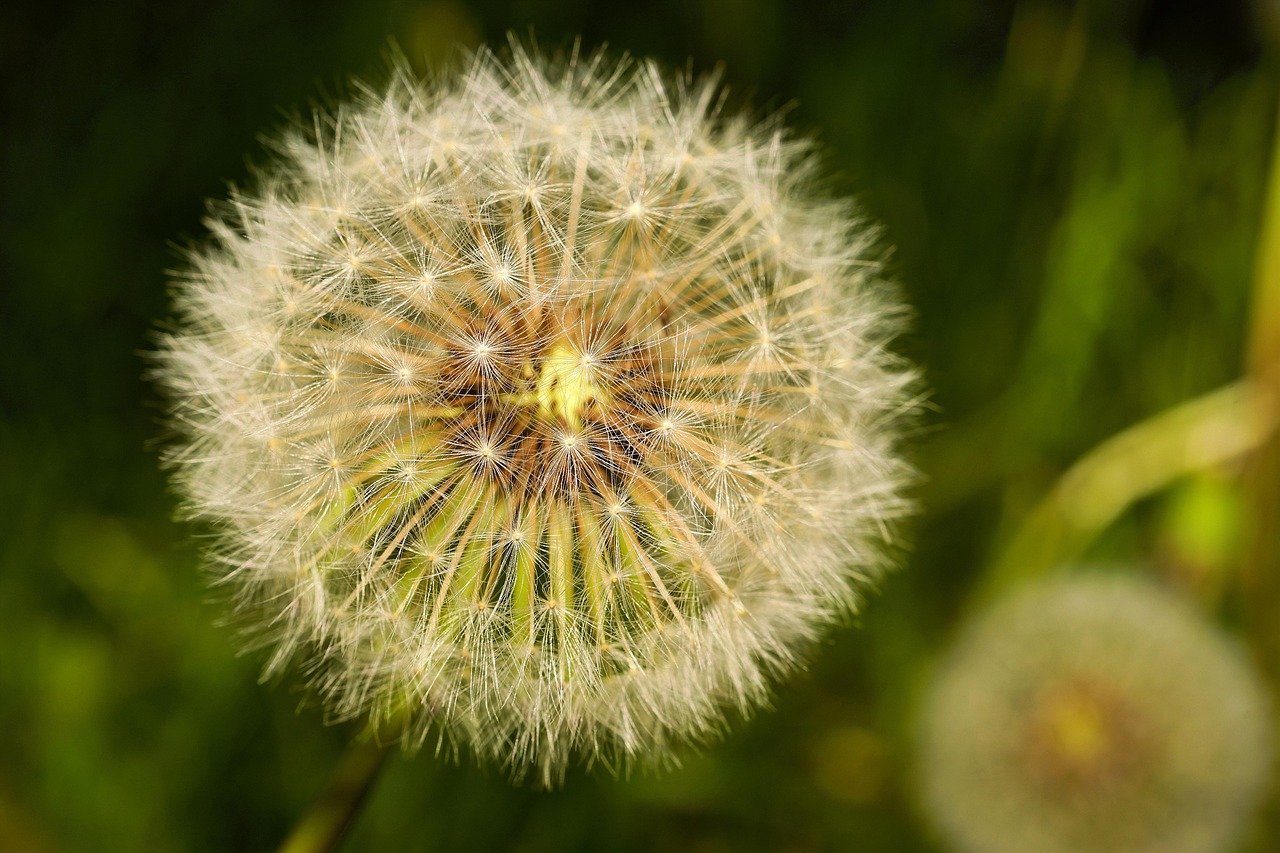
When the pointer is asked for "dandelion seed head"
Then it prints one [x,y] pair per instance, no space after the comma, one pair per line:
[541,405]
[1094,713]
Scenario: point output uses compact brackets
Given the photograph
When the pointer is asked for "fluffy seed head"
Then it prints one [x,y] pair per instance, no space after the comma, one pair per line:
[541,404]
[1094,715]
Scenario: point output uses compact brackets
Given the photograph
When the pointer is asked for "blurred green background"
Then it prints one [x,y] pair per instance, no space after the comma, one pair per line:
[1075,192]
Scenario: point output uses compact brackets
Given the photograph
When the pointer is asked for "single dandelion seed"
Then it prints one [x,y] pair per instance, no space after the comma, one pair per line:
[601,386]
[1094,714]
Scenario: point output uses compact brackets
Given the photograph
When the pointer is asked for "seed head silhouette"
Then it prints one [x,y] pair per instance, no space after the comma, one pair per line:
[1096,714]
[541,407]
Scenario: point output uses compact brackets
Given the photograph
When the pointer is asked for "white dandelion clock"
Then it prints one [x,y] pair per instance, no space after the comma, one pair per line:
[540,406]
[1094,714]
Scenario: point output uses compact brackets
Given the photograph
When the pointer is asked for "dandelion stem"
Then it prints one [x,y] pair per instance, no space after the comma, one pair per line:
[1259,579]
[322,827]
[1141,460]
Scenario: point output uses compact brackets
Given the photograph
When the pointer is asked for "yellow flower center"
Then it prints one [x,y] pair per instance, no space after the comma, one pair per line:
[566,385]
[1084,735]
[1079,730]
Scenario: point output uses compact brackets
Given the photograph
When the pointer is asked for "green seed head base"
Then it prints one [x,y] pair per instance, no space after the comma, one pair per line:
[539,406]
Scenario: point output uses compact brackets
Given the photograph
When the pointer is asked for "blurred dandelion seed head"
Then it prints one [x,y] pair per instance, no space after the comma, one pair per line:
[1094,714]
[541,405]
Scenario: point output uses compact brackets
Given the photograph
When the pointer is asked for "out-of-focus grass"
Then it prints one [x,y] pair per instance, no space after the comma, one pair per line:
[1075,196]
